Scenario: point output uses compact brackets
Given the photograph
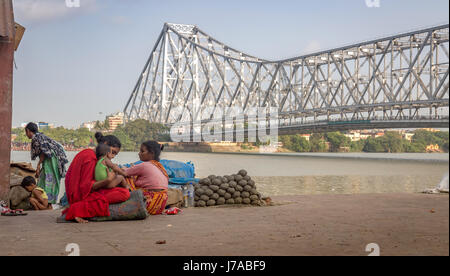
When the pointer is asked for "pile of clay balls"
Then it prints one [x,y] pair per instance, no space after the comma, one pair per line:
[230,189]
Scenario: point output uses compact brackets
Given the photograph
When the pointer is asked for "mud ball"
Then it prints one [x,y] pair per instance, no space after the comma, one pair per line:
[239,188]
[217,181]
[232,184]
[230,201]
[227,196]
[246,201]
[220,201]
[206,181]
[254,197]
[196,198]
[243,183]
[229,177]
[248,188]
[231,190]
[224,179]
[224,186]
[209,192]
[211,177]
[251,183]
[196,186]
[256,202]
[247,178]
[245,194]
[204,187]
[205,198]
[242,173]
[201,203]
[221,192]
[215,196]
[199,192]
[214,188]
[238,178]
[238,200]
[236,194]
[254,191]
[211,202]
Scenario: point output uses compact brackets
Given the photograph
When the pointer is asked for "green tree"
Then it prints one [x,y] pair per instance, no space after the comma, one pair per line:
[318,143]
[141,130]
[300,144]
[392,141]
[337,140]
[357,146]
[373,145]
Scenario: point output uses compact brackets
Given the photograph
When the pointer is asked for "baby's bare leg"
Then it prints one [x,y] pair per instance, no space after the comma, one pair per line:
[116,182]
[34,202]
[124,183]
[38,205]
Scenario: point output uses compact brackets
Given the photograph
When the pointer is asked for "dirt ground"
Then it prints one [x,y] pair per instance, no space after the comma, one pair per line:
[401,224]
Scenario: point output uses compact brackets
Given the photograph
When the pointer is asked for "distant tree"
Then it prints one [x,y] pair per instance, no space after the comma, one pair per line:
[357,146]
[300,144]
[337,140]
[318,143]
[392,141]
[373,145]
[141,130]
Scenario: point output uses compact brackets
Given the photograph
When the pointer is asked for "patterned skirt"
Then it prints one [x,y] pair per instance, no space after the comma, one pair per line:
[155,201]
[49,179]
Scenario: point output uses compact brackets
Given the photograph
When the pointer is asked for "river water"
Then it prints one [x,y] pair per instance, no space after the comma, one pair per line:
[323,173]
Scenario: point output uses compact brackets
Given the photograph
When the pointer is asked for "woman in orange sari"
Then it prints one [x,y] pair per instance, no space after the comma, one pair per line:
[150,177]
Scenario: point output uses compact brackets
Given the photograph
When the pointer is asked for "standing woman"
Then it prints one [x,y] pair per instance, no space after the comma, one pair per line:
[52,161]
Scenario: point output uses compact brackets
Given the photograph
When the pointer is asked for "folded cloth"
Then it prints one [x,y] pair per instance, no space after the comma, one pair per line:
[132,209]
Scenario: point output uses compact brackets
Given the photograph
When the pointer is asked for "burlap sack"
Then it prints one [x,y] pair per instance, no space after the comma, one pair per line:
[18,197]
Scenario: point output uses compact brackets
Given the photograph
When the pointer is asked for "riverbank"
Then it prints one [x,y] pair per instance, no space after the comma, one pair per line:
[401,224]
[414,157]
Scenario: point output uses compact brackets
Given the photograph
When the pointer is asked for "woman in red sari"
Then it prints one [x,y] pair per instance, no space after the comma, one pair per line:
[88,198]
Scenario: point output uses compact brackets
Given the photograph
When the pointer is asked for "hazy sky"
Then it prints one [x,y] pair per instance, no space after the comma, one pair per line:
[74,63]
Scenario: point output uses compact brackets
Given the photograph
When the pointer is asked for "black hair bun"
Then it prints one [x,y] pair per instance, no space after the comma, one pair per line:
[98,137]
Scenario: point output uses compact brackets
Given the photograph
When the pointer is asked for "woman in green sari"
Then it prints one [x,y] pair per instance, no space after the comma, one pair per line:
[52,161]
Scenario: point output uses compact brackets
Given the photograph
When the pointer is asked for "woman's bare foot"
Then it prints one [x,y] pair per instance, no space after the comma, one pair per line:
[80,220]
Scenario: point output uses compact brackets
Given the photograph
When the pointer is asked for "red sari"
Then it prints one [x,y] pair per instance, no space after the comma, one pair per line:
[85,203]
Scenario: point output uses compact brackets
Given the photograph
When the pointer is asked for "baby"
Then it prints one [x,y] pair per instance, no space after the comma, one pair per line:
[39,198]
[105,169]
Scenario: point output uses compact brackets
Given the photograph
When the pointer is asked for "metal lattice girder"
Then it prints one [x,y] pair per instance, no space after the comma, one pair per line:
[398,77]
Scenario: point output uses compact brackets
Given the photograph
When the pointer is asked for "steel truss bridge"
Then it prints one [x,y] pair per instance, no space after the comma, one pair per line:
[400,81]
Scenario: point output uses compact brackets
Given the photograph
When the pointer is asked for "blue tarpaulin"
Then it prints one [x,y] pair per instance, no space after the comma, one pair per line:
[179,173]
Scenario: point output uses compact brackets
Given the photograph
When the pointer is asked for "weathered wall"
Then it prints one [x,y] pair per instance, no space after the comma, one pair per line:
[6,71]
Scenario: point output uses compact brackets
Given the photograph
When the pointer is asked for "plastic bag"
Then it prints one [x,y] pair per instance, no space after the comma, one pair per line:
[173,211]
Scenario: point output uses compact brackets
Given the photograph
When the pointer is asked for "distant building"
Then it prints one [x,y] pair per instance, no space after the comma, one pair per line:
[357,135]
[115,121]
[408,136]
[88,125]
[306,136]
[431,129]
[43,125]
[433,148]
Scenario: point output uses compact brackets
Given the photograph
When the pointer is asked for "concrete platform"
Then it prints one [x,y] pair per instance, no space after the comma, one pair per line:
[401,224]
